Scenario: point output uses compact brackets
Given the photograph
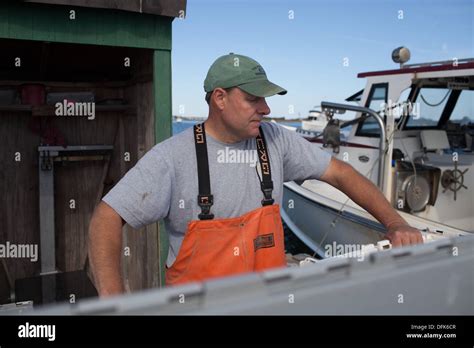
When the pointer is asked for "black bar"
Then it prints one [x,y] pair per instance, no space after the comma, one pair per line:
[291,330]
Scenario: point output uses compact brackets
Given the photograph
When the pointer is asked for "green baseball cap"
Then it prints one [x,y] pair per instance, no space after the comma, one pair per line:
[235,70]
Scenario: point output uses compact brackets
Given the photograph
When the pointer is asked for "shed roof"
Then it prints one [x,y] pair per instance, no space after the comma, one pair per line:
[168,8]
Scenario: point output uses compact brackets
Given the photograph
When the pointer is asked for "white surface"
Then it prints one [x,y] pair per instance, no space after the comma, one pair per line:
[434,139]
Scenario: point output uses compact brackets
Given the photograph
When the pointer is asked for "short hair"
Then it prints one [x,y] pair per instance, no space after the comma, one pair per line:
[209,94]
[208,97]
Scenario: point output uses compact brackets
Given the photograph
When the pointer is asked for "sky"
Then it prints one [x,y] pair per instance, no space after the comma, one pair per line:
[312,48]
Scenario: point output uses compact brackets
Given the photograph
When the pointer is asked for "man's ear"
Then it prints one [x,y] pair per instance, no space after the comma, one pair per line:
[218,98]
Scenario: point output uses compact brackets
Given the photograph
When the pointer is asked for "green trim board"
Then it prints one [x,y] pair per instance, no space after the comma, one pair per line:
[163,130]
[52,23]
[162,93]
[174,8]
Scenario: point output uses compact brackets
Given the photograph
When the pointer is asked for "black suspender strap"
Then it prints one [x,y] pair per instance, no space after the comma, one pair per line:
[205,198]
[266,184]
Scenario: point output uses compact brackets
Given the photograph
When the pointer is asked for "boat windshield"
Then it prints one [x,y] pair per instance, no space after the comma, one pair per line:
[433,107]
[463,112]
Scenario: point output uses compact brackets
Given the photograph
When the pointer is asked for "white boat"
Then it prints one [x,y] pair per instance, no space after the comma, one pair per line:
[412,136]
[315,122]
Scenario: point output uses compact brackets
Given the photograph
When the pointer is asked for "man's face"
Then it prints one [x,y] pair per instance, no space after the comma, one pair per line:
[242,113]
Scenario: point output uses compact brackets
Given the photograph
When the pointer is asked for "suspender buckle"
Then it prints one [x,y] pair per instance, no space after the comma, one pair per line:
[205,202]
[267,188]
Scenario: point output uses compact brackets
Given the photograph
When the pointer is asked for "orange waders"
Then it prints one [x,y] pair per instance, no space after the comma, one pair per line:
[221,247]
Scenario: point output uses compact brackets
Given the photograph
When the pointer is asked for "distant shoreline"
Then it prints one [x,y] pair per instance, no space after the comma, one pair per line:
[276,119]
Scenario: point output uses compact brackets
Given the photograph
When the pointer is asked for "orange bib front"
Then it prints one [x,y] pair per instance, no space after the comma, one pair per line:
[223,247]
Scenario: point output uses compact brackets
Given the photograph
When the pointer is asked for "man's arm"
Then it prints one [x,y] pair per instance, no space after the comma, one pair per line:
[105,245]
[362,191]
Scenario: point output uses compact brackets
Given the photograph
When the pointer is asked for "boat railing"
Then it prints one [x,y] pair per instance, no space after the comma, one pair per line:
[336,108]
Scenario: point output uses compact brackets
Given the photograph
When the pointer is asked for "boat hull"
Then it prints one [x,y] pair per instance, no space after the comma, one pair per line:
[319,226]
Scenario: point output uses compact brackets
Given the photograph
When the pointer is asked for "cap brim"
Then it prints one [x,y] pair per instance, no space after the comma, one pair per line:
[262,88]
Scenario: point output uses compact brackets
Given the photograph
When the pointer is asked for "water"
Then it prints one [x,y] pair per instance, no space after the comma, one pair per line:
[178,127]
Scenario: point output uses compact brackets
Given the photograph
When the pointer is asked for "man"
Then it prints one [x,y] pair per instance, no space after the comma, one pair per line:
[219,205]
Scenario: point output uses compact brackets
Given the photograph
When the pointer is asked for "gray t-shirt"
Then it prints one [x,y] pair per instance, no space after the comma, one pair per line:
[164,182]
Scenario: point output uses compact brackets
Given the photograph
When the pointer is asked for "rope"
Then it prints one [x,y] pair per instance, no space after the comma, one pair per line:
[434,105]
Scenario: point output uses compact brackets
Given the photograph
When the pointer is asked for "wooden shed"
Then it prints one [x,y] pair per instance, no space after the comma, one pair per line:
[114,57]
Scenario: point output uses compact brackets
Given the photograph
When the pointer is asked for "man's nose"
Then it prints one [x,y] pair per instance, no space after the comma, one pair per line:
[263,107]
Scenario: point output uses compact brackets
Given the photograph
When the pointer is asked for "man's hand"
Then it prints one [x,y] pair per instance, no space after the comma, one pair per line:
[402,234]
